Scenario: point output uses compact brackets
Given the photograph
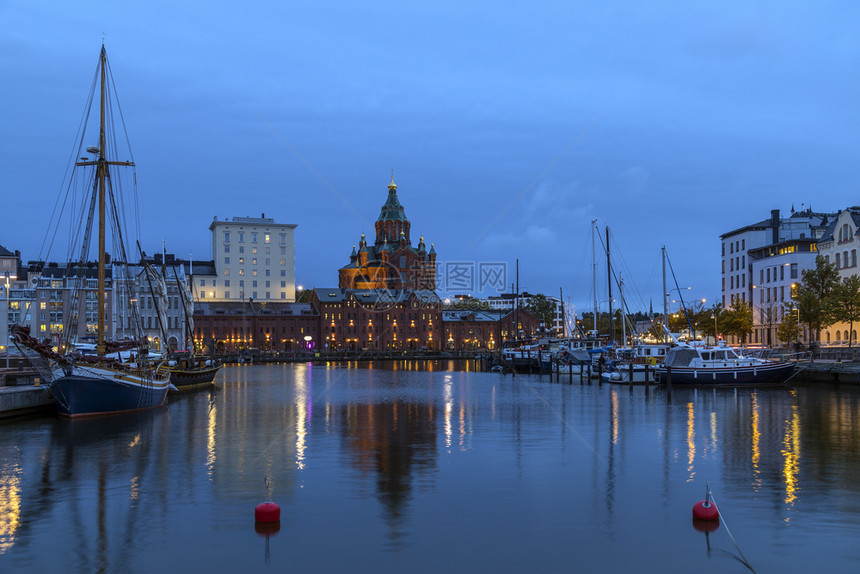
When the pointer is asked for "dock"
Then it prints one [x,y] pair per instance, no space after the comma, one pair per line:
[826,372]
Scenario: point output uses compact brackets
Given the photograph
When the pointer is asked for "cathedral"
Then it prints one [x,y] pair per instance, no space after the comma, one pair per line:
[391,262]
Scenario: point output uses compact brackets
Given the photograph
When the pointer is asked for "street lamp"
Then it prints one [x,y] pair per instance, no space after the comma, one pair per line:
[8,277]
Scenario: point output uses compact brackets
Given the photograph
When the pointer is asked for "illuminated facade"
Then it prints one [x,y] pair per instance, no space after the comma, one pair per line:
[840,245]
[391,262]
[751,255]
[254,258]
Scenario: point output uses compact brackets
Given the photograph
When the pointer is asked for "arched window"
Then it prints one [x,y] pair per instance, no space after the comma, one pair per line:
[837,336]
[828,337]
[846,335]
[838,260]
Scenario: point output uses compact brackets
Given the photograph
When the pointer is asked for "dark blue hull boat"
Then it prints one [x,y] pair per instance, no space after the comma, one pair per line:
[78,395]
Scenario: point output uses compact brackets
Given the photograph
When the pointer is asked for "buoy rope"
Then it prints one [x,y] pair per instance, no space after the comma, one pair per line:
[729,532]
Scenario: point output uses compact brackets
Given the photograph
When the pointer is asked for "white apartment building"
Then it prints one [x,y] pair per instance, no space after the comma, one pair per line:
[839,245]
[254,258]
[506,302]
[751,258]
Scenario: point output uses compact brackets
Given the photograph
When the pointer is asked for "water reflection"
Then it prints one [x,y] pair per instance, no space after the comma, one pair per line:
[508,467]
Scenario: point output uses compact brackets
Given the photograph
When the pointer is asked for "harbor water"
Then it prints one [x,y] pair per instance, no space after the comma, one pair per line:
[432,467]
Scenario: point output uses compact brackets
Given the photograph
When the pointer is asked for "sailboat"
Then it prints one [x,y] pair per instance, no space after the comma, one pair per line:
[186,368]
[110,376]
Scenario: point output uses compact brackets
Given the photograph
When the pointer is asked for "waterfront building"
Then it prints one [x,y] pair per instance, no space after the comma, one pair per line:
[231,326]
[391,262]
[162,316]
[839,245]
[17,297]
[507,301]
[65,296]
[378,319]
[253,258]
[761,261]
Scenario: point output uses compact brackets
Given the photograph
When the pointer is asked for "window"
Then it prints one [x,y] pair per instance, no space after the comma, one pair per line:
[203,282]
[227,248]
[254,272]
[253,237]
[227,272]
[781,275]
[226,261]
[241,237]
[254,261]
[254,250]
[241,282]
[283,272]
[226,294]
[853,259]
[254,294]
[266,240]
[241,271]
[268,295]
[794,270]
[268,284]
[838,259]
[241,249]
[283,283]
[283,239]
[743,245]
[241,261]
[253,283]
[283,295]
[267,272]
[226,237]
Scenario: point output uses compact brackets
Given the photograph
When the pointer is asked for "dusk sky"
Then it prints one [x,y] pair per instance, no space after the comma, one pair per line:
[509,126]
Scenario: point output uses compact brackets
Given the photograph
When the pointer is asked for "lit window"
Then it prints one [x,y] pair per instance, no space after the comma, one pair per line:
[266,240]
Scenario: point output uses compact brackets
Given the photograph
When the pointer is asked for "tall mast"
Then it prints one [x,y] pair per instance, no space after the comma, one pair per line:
[594,270]
[609,283]
[102,167]
[101,171]
[665,295]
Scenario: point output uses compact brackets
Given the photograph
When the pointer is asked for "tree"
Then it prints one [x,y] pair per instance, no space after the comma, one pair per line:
[843,304]
[789,329]
[543,309]
[812,295]
[737,320]
[708,319]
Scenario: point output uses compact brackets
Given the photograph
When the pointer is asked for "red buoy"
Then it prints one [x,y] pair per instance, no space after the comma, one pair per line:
[705,510]
[267,512]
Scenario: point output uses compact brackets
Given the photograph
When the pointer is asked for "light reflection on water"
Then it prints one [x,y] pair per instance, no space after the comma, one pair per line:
[418,467]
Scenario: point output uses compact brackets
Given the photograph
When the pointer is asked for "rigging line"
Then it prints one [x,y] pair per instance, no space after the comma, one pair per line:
[681,296]
[536,179]
[631,276]
[68,175]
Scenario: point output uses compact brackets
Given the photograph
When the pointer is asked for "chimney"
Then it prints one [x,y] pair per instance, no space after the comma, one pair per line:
[774,224]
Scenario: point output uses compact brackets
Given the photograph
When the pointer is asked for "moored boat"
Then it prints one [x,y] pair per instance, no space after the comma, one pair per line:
[720,366]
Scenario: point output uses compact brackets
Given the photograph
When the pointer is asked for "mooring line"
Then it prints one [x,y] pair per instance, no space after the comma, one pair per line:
[729,532]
